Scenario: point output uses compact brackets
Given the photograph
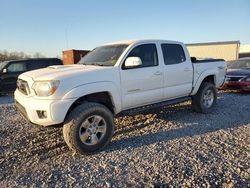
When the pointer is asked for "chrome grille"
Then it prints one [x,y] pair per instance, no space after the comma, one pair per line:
[23,86]
[233,78]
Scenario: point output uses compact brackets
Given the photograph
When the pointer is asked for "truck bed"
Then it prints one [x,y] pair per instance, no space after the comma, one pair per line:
[217,66]
[196,60]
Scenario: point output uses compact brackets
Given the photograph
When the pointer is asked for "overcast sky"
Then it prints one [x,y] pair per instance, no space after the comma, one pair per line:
[50,26]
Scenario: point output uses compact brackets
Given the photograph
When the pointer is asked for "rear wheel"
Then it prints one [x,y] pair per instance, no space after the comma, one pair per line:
[88,128]
[205,98]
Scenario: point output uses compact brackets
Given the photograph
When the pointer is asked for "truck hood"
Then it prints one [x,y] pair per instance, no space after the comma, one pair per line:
[63,72]
[72,76]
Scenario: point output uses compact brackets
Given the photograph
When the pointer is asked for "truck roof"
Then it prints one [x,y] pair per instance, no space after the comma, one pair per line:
[32,59]
[128,42]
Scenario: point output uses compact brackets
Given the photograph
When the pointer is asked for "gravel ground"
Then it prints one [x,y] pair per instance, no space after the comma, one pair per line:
[170,146]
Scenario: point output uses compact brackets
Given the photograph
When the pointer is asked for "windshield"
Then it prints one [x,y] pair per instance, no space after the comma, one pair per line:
[2,65]
[104,55]
[239,64]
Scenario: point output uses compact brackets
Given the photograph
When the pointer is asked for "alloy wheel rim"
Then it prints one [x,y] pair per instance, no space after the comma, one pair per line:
[208,98]
[92,130]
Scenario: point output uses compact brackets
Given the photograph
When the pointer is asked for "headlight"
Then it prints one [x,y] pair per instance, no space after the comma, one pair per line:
[45,88]
[245,79]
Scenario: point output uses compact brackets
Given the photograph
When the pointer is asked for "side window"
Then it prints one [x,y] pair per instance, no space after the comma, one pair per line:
[34,65]
[173,54]
[147,53]
[45,63]
[17,67]
[56,62]
[51,62]
[38,64]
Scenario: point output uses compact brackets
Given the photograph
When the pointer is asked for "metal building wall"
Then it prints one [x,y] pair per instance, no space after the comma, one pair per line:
[222,50]
[244,51]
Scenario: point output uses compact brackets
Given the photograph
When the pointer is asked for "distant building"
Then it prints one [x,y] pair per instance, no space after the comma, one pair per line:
[244,50]
[228,50]
[73,56]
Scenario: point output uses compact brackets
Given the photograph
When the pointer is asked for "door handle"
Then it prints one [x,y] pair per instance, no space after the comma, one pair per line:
[187,69]
[158,73]
[221,67]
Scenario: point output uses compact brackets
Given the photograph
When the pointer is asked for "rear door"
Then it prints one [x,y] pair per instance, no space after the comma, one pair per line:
[14,69]
[178,71]
[144,84]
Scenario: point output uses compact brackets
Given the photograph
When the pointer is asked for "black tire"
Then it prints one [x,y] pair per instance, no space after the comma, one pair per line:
[198,99]
[73,125]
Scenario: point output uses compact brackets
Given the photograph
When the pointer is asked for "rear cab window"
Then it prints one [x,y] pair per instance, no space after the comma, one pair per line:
[173,54]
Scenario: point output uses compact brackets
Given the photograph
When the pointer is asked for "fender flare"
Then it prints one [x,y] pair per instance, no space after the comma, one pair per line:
[96,87]
[202,76]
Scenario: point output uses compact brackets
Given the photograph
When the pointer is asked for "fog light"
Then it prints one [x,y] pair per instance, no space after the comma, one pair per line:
[41,114]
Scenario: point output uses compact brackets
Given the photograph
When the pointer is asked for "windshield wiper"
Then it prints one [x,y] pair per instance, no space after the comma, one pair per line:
[93,64]
[98,64]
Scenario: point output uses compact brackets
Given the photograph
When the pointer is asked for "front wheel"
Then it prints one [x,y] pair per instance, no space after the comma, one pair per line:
[88,128]
[205,99]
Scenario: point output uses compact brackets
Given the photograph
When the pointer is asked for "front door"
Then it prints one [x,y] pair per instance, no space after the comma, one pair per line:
[144,84]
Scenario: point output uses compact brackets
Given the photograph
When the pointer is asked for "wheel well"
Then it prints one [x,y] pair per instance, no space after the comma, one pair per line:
[209,79]
[103,98]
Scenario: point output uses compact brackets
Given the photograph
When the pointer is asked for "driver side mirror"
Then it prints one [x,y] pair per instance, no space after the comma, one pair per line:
[5,71]
[133,62]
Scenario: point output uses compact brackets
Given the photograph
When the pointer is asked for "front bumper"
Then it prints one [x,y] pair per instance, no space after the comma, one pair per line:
[244,86]
[30,107]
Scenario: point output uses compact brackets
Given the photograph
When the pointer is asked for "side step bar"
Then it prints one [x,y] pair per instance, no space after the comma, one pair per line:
[139,110]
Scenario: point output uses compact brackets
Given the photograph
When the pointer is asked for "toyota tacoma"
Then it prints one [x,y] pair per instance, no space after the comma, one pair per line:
[113,79]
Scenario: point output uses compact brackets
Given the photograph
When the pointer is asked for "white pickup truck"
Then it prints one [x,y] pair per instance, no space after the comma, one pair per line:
[115,78]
